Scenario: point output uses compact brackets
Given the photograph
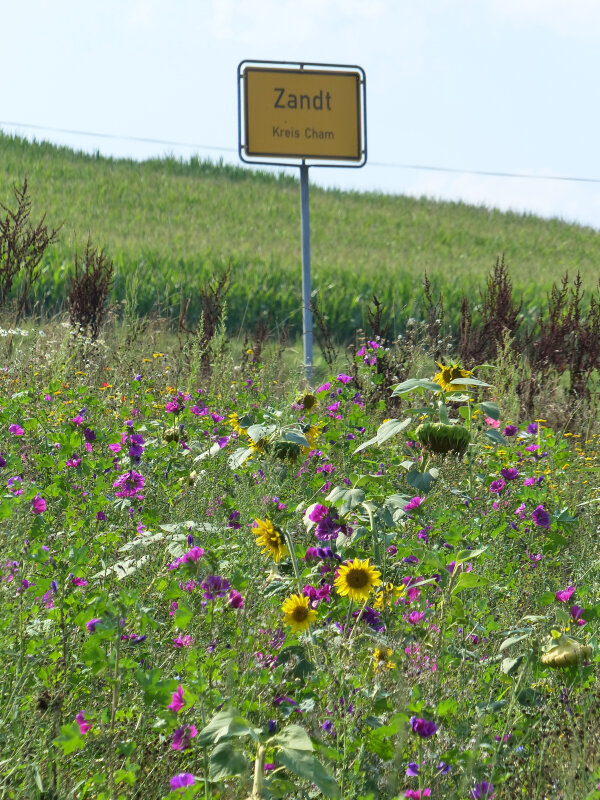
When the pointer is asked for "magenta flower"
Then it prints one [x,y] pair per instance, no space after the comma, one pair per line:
[84,726]
[129,484]
[77,420]
[185,641]
[509,474]
[540,517]
[564,595]
[235,599]
[17,430]
[182,780]
[318,512]
[182,737]
[576,613]
[423,727]
[324,388]
[497,486]
[415,794]
[177,702]
[415,617]
[91,624]
[414,503]
[344,378]
[483,789]
[38,505]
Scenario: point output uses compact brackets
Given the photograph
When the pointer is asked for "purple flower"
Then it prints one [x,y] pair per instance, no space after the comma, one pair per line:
[91,625]
[482,789]
[176,703]
[423,727]
[182,737]
[510,473]
[414,503]
[329,526]
[318,512]
[510,430]
[532,427]
[344,378]
[541,517]
[235,599]
[129,484]
[84,726]
[182,780]
[564,595]
[38,505]
[324,388]
[17,430]
[576,613]
[497,486]
[215,586]
[412,770]
[89,435]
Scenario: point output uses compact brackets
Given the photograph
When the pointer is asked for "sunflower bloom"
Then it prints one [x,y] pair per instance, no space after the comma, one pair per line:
[382,659]
[270,539]
[297,614]
[234,421]
[356,579]
[387,595]
[448,374]
[311,436]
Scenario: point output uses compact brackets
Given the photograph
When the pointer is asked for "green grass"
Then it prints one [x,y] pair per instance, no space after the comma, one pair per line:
[177,223]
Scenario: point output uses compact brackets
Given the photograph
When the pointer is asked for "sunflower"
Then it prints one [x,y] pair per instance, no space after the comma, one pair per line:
[381,658]
[270,539]
[308,401]
[448,374]
[234,421]
[356,579]
[311,435]
[297,614]
[387,596]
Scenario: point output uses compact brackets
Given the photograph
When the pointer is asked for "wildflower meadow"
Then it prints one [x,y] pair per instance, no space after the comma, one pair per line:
[231,584]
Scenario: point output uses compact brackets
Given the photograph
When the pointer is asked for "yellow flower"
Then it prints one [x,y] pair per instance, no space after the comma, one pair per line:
[297,614]
[387,596]
[234,421]
[381,658]
[448,374]
[308,401]
[311,436]
[270,539]
[356,579]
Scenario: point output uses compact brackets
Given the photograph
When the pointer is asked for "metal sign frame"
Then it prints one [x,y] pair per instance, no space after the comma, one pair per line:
[312,161]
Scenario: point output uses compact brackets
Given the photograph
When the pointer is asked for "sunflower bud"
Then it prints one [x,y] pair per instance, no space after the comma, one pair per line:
[441,438]
[565,652]
[171,434]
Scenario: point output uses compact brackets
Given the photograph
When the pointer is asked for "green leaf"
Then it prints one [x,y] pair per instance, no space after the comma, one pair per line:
[295,737]
[306,766]
[511,665]
[70,738]
[224,724]
[422,481]
[389,428]
[469,382]
[258,432]
[512,640]
[226,762]
[239,457]
[468,580]
[447,707]
[415,383]
[563,517]
[495,437]
[295,437]
[490,409]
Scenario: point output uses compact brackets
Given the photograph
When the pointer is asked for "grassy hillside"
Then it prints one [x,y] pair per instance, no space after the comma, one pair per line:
[175,223]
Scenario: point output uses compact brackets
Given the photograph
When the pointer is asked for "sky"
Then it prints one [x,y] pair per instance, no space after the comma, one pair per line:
[460,86]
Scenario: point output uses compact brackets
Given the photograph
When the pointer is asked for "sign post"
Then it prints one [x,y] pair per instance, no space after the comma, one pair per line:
[313,112]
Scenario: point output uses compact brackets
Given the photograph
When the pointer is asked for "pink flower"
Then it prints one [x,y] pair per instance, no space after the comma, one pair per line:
[344,378]
[235,599]
[414,503]
[182,780]
[564,595]
[185,641]
[38,505]
[493,423]
[176,703]
[84,726]
[182,737]
[17,430]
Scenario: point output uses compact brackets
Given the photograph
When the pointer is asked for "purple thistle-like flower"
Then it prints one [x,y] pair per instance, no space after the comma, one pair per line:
[540,517]
[423,727]
[182,780]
